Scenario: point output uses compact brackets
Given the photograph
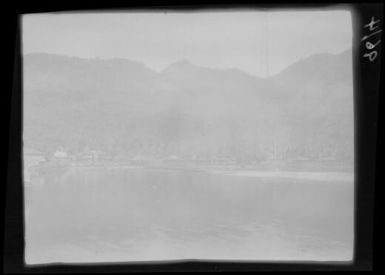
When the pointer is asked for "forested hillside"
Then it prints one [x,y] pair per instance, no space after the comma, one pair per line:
[120,107]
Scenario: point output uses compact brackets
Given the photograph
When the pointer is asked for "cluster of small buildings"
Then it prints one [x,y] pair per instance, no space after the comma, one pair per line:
[34,157]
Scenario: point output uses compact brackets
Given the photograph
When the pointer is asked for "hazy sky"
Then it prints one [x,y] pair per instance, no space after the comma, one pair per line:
[259,43]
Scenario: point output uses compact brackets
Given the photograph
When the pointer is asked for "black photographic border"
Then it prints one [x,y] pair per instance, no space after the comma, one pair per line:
[367,83]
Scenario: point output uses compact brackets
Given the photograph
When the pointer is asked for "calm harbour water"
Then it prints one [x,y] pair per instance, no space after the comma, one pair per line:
[100,214]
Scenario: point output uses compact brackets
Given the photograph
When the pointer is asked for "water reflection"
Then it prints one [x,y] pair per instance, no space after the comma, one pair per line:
[87,215]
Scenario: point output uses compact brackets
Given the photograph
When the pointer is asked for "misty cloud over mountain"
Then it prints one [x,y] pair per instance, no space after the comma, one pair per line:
[121,107]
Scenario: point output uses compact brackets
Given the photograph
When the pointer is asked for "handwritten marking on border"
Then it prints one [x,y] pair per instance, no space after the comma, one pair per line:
[373,25]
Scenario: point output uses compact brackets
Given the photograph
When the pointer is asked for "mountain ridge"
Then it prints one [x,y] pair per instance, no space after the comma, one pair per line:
[119,106]
[185,62]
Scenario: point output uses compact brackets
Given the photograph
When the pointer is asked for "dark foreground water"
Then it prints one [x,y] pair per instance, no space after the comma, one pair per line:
[100,214]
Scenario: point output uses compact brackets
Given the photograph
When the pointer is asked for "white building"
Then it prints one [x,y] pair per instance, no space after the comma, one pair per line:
[60,154]
[32,157]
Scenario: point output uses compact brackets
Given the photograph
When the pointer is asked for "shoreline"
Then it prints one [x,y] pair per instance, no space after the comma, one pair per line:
[326,176]
[313,175]
[329,172]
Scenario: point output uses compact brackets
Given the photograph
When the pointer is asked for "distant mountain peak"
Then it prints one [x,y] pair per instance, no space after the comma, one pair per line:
[316,63]
[346,54]
[181,65]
